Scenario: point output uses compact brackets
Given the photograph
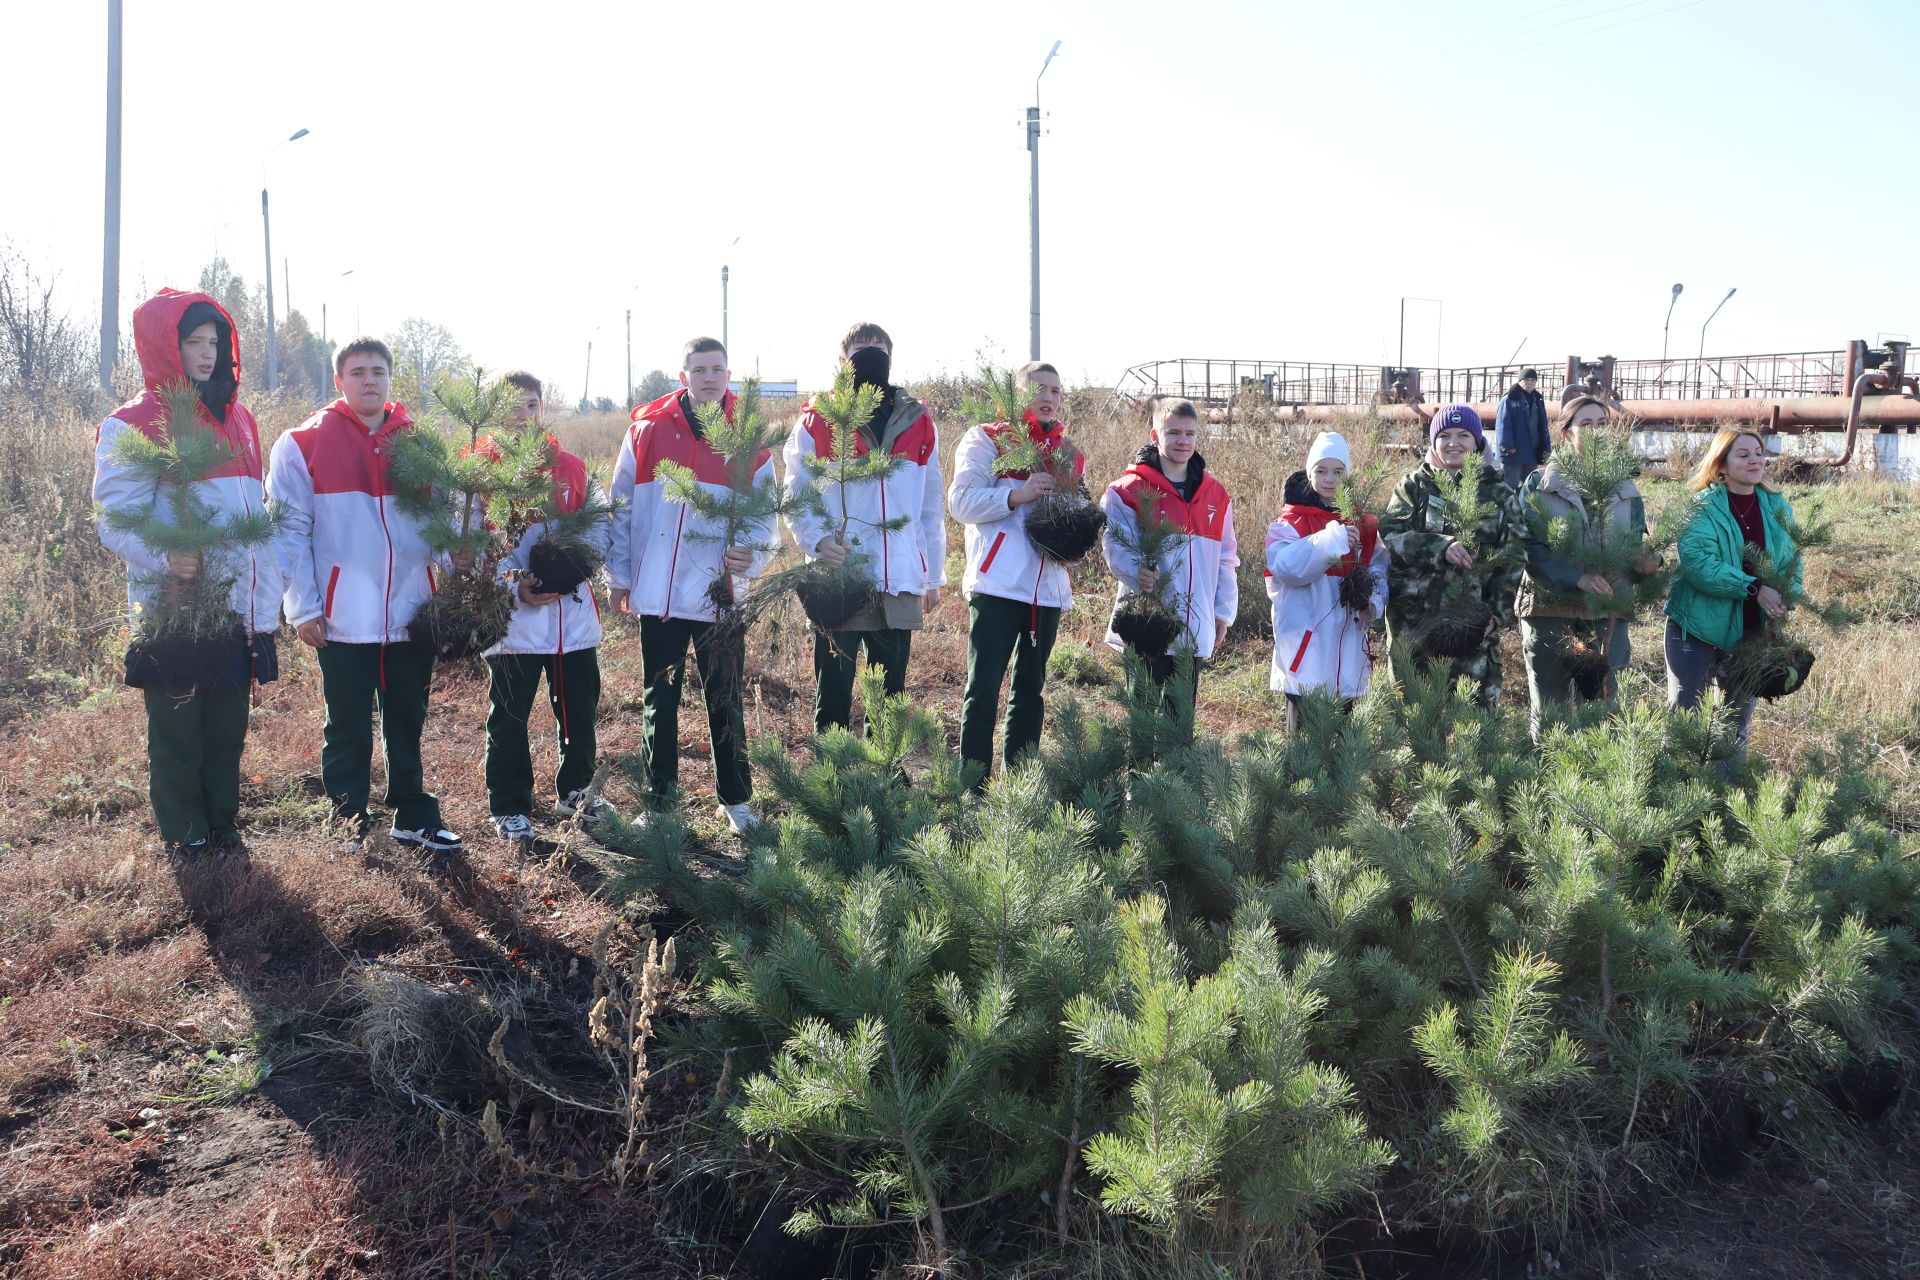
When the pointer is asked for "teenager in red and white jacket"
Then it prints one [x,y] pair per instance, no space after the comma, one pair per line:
[664,561]
[1200,566]
[1015,595]
[1319,643]
[357,569]
[909,563]
[195,735]
[552,634]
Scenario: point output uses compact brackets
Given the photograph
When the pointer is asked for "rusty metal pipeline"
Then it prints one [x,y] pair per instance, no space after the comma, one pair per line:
[1789,415]
[1886,381]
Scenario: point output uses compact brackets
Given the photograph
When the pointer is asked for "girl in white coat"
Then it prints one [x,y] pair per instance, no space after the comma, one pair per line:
[1318,642]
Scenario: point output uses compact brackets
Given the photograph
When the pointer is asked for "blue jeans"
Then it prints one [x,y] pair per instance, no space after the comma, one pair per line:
[1693,664]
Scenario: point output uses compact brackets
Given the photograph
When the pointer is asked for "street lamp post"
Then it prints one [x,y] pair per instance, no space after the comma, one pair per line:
[1440,316]
[1702,355]
[723,305]
[1669,324]
[110,249]
[1033,212]
[629,360]
[266,227]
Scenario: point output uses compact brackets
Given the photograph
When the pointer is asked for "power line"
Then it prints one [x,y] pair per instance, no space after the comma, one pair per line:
[1610,26]
[1518,17]
[1549,26]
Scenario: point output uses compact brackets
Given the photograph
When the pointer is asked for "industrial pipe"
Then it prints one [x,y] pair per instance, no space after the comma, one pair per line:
[1790,416]
[1886,381]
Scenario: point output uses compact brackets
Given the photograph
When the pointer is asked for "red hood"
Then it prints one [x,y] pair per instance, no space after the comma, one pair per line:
[156,335]
[668,406]
[397,417]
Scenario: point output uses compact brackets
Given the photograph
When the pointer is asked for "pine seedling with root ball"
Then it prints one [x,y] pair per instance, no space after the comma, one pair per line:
[1457,625]
[185,612]
[1357,500]
[1775,662]
[831,596]
[474,501]
[567,553]
[745,513]
[1149,621]
[1065,524]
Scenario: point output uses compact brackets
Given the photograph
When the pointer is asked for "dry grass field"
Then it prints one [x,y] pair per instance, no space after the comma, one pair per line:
[290,1066]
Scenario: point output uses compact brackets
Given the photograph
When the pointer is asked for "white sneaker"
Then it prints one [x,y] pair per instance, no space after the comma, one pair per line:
[512,826]
[574,801]
[740,818]
[437,840]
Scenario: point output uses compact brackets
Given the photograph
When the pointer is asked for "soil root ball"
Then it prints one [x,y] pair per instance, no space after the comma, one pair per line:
[555,569]
[1769,671]
[1459,634]
[1587,667]
[1356,588]
[1145,625]
[1065,526]
[831,600]
[467,615]
[187,659]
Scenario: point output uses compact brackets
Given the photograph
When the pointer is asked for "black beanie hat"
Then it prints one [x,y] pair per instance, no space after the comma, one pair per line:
[216,392]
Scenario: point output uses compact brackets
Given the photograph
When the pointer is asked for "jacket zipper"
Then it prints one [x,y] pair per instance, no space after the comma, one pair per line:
[674,562]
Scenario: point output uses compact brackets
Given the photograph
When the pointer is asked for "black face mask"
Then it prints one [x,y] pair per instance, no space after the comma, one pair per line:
[871,366]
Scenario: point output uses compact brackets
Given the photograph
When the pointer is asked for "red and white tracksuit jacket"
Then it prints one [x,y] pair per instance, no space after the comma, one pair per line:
[349,554]
[1199,569]
[661,551]
[1001,560]
[572,622]
[1317,642]
[910,560]
[233,489]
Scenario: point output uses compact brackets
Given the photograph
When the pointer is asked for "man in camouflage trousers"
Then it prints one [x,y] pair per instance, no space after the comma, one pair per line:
[1433,565]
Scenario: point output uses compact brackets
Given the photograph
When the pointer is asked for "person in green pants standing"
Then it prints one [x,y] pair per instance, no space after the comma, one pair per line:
[1015,595]
[196,722]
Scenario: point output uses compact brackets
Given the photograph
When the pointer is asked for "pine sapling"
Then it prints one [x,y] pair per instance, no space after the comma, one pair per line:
[1356,501]
[568,551]
[1457,626]
[474,501]
[185,614]
[831,596]
[1776,662]
[1149,621]
[743,515]
[1065,523]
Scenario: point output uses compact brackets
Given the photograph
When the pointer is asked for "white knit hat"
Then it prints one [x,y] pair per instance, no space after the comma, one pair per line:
[1328,444]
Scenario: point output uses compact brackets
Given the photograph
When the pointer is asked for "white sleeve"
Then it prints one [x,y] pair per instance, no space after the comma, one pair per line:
[977,495]
[1295,561]
[764,535]
[806,527]
[1120,517]
[115,488]
[1226,590]
[620,535]
[933,518]
[290,493]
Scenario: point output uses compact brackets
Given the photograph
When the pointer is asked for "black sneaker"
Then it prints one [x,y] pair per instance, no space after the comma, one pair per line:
[228,844]
[433,839]
[190,851]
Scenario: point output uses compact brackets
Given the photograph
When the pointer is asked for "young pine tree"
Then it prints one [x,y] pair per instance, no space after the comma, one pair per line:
[474,498]
[184,613]
[1456,625]
[1776,661]
[1149,621]
[830,596]
[1357,500]
[1066,523]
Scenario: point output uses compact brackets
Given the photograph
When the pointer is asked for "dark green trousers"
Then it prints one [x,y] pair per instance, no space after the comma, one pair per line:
[999,632]
[836,660]
[1162,668]
[573,691]
[354,679]
[663,664]
[194,741]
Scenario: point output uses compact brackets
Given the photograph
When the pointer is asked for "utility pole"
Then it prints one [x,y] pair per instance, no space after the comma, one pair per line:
[1669,324]
[273,346]
[110,250]
[586,379]
[629,360]
[723,311]
[1033,210]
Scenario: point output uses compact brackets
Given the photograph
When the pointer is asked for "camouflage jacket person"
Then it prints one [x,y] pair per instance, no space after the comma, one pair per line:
[1417,528]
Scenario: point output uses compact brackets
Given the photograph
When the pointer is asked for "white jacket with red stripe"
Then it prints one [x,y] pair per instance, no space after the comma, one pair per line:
[1199,569]
[910,560]
[234,489]
[572,622]
[1001,559]
[349,553]
[1317,642]
[661,550]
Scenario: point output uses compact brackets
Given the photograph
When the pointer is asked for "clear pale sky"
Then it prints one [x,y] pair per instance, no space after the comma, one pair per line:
[1234,180]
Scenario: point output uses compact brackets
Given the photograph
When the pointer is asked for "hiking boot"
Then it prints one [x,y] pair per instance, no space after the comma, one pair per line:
[432,839]
[577,802]
[740,818]
[512,827]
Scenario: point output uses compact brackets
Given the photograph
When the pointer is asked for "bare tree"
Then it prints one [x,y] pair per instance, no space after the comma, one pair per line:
[422,352]
[41,350]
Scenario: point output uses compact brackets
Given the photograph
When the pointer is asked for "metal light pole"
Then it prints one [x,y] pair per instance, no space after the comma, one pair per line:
[586,379]
[723,307]
[266,227]
[110,249]
[1702,355]
[629,360]
[1439,320]
[1033,211]
[1669,324]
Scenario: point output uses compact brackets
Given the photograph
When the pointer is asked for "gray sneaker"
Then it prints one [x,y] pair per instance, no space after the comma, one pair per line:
[512,826]
[591,810]
[433,839]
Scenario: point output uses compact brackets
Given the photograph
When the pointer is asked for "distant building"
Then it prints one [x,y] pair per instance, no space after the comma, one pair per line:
[775,390]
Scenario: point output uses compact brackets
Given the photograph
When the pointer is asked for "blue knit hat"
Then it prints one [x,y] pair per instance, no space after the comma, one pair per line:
[1457,415]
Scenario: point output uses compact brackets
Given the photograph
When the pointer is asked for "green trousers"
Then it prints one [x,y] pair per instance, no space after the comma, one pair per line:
[663,663]
[573,691]
[999,632]
[354,679]
[1158,670]
[835,661]
[1542,642]
[194,741]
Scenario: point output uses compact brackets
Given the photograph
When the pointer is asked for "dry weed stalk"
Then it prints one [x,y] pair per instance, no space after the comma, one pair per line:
[628,998]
